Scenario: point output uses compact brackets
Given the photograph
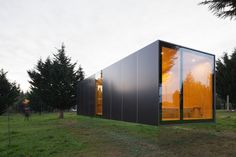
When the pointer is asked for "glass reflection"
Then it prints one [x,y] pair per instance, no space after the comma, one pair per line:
[170,84]
[98,79]
[197,85]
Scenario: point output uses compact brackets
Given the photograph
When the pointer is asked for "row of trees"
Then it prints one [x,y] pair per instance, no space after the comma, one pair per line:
[53,85]
[226,77]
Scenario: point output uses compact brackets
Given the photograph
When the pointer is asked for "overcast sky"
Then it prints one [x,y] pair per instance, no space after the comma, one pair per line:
[99,32]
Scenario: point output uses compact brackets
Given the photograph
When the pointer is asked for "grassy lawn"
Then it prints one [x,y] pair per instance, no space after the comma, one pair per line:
[48,136]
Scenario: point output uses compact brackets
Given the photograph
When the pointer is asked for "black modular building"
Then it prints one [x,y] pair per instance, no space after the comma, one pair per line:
[162,83]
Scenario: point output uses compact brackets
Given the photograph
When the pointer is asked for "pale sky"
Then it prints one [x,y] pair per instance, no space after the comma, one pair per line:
[98,33]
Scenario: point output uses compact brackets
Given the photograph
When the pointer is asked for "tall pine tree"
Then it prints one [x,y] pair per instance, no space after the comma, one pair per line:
[55,81]
[8,92]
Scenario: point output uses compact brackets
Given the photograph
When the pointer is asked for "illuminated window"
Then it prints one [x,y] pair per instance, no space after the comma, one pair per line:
[98,78]
[197,85]
[170,84]
[187,84]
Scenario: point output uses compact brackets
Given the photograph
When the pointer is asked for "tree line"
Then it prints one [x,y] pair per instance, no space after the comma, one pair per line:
[226,77]
[53,85]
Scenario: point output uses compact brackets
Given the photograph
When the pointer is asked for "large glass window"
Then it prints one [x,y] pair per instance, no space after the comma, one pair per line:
[187,84]
[197,85]
[170,84]
[98,78]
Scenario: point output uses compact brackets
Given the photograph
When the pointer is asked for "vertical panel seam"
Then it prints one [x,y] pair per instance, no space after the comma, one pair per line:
[137,87]
[158,80]
[122,90]
[111,96]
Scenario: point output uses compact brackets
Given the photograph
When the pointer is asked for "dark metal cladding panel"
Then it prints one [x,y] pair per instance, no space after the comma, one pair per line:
[86,96]
[92,99]
[148,76]
[116,90]
[106,93]
[82,99]
[81,105]
[79,98]
[129,83]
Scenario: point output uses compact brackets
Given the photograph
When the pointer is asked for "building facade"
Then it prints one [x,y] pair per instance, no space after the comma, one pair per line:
[162,83]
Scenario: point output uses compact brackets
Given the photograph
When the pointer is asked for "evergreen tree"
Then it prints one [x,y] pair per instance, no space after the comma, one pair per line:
[8,92]
[226,77]
[222,8]
[80,73]
[55,81]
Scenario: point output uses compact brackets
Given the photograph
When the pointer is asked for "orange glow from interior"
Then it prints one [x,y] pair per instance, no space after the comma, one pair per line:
[197,70]
[99,94]
[197,87]
[170,84]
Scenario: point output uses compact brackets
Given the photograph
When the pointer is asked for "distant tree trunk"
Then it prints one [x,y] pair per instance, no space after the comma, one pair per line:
[61,114]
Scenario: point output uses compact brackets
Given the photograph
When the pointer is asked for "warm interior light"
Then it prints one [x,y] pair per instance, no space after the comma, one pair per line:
[197,80]
[170,84]
[98,79]
[197,86]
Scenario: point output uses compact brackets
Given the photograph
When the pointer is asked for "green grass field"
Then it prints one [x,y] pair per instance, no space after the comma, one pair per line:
[47,136]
